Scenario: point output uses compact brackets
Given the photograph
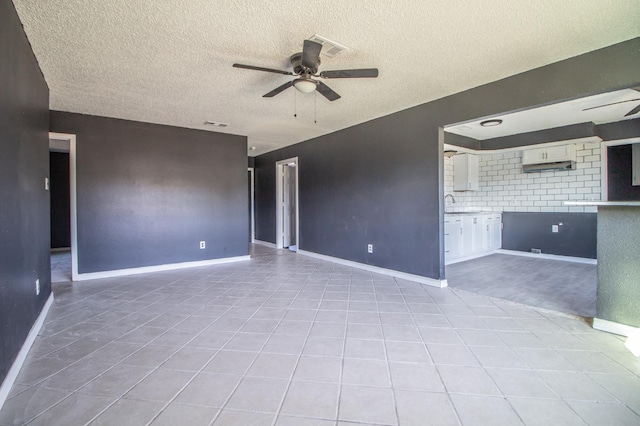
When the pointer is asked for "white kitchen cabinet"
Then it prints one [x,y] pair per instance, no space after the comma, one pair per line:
[452,237]
[552,154]
[465,172]
[467,236]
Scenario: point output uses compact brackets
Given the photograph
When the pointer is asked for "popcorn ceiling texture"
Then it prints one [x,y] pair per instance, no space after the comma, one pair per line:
[169,62]
[503,186]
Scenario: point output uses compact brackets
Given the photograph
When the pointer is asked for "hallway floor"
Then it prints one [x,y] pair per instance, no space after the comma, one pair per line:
[286,339]
[561,286]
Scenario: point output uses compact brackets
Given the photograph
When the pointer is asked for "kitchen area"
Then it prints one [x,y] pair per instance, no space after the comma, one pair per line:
[520,220]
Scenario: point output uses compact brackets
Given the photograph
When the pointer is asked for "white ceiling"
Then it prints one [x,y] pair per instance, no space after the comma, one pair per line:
[169,62]
[598,109]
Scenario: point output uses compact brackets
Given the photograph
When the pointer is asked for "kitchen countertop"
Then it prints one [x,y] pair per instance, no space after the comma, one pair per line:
[468,213]
[603,203]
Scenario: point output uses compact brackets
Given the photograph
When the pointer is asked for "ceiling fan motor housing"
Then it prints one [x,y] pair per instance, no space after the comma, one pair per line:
[296,63]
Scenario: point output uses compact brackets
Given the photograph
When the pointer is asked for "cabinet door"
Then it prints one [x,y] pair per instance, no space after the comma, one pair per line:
[558,153]
[465,172]
[489,225]
[478,234]
[533,156]
[452,238]
[497,232]
[467,235]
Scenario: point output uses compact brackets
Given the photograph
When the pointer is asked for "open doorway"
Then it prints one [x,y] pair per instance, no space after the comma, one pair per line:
[287,204]
[64,254]
[251,205]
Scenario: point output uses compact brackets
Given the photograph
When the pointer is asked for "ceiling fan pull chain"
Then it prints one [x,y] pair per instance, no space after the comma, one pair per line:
[315,107]
[295,104]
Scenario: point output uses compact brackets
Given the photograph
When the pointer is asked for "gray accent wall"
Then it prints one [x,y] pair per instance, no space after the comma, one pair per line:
[618,296]
[576,234]
[148,194]
[24,202]
[380,182]
[619,174]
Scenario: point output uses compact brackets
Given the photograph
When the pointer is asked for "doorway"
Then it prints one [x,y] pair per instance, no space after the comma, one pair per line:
[287,204]
[64,259]
[252,231]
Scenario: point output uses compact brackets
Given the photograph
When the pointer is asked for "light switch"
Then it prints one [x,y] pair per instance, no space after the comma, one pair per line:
[46,184]
[554,228]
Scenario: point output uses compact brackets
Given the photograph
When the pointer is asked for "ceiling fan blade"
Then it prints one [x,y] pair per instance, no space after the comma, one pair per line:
[633,111]
[278,90]
[251,67]
[311,54]
[327,92]
[361,73]
[612,103]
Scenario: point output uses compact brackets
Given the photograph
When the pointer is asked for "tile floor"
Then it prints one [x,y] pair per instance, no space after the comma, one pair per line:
[285,339]
[60,266]
[557,285]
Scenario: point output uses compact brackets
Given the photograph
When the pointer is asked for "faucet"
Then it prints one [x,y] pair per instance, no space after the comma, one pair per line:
[453,200]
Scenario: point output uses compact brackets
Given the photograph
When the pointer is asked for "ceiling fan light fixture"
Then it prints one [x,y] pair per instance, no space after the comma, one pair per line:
[305,85]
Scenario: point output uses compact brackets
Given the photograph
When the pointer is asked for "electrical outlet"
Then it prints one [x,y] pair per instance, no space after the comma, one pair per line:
[38,287]
[554,228]
[369,248]
[203,245]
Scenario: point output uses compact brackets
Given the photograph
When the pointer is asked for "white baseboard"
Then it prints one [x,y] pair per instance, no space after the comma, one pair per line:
[470,257]
[264,243]
[9,380]
[614,327]
[378,270]
[549,256]
[157,268]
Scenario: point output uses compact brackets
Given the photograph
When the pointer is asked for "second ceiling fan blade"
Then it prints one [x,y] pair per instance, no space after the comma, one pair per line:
[278,90]
[311,54]
[359,73]
[633,111]
[251,67]
[327,92]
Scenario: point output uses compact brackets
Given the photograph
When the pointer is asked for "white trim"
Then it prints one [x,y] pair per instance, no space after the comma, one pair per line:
[158,268]
[73,198]
[279,189]
[264,243]
[614,327]
[469,257]
[574,259]
[253,216]
[384,271]
[604,158]
[11,376]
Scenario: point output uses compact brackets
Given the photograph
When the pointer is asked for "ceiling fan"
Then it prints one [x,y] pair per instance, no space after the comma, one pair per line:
[305,66]
[633,111]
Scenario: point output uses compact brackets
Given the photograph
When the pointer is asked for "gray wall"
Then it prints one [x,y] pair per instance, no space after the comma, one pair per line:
[24,203]
[148,194]
[618,296]
[60,200]
[575,237]
[379,182]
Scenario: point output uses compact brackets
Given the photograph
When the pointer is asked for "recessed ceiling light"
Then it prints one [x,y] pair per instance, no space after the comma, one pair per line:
[491,123]
[215,124]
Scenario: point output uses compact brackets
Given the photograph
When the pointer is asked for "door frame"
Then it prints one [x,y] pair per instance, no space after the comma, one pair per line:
[604,166]
[70,139]
[279,191]
[252,218]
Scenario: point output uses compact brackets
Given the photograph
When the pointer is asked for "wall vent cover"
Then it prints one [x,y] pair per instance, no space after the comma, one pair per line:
[329,48]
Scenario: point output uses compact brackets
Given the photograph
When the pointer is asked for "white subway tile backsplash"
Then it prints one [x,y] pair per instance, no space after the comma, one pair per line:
[503,186]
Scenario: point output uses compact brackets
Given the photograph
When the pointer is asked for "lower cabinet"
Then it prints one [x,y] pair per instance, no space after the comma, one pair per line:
[467,236]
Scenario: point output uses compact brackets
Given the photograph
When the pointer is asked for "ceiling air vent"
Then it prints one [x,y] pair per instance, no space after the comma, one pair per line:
[329,48]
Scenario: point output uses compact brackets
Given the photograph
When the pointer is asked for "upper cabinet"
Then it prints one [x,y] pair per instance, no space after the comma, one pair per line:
[552,154]
[465,172]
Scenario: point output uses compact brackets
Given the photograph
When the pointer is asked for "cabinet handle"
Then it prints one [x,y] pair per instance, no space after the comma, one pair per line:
[460,231]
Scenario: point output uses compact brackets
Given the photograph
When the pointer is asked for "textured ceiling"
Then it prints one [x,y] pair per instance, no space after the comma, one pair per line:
[169,62]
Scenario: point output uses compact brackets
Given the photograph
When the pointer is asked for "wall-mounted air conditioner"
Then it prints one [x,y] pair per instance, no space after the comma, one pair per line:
[561,157]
